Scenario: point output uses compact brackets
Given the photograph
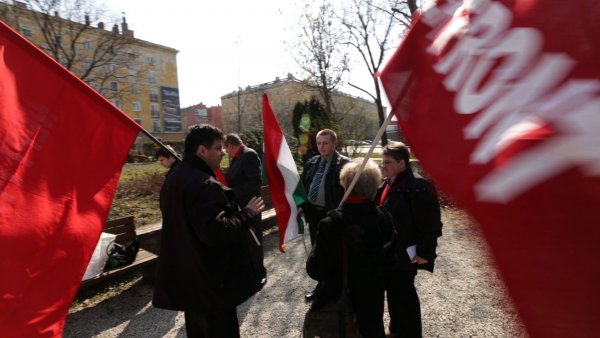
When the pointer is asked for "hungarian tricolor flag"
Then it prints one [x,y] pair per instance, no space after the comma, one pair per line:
[63,147]
[500,102]
[286,189]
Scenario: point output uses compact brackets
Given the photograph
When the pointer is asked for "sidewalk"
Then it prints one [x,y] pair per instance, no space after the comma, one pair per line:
[462,298]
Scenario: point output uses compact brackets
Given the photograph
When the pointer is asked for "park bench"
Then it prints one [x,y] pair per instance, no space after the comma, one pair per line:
[125,230]
[149,239]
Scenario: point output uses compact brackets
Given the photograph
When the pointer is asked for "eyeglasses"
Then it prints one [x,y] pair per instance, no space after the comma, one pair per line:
[387,163]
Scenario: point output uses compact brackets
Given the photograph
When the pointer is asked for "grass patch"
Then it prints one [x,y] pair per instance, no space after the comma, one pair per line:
[138,192]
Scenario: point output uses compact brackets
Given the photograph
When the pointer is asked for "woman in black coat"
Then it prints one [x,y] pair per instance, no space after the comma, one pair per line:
[366,230]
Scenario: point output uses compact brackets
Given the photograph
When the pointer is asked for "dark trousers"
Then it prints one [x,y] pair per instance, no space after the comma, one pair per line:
[222,323]
[403,303]
[313,216]
[257,253]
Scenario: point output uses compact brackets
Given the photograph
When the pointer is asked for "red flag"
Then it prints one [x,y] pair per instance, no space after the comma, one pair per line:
[63,147]
[500,101]
[287,192]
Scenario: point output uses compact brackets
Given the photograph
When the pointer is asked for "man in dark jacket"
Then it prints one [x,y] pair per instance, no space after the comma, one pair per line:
[204,267]
[414,205]
[244,179]
[321,179]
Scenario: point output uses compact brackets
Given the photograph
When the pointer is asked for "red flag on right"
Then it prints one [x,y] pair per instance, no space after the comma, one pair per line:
[500,102]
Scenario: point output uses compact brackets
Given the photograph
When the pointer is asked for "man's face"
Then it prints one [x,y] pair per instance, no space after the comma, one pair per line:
[230,149]
[166,161]
[213,155]
[390,167]
[325,145]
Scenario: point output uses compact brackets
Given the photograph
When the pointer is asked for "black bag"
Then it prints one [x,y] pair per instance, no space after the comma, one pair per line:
[119,255]
[335,319]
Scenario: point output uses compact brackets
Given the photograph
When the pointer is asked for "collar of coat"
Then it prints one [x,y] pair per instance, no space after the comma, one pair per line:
[198,163]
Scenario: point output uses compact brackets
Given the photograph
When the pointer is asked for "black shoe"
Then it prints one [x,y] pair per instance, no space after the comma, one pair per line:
[310,296]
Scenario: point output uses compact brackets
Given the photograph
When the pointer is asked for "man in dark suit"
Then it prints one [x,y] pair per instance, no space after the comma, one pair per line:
[204,268]
[244,179]
[415,208]
[321,179]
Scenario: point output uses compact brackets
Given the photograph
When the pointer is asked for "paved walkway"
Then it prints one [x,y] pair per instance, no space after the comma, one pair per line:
[462,298]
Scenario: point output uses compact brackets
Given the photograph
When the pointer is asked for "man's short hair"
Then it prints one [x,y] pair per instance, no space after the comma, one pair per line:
[331,133]
[161,152]
[369,179]
[233,139]
[201,135]
[399,151]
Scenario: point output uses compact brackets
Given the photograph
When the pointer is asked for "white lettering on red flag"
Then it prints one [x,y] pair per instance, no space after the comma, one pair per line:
[501,102]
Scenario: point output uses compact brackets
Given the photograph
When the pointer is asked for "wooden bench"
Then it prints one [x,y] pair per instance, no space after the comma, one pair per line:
[268,215]
[125,230]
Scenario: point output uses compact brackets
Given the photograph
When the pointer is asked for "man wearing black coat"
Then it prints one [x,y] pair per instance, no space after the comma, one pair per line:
[204,266]
[244,179]
[414,205]
[321,179]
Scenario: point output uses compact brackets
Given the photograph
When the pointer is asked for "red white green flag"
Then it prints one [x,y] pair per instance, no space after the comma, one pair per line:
[286,189]
[63,147]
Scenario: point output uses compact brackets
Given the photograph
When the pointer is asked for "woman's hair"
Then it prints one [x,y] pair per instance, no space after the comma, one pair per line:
[369,179]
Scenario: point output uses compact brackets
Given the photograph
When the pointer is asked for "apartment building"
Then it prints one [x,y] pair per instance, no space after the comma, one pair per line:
[242,109]
[139,77]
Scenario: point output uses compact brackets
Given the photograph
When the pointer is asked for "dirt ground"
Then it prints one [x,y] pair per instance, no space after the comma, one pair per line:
[464,297]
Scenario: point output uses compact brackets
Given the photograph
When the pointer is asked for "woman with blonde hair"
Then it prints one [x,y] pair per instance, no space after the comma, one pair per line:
[365,230]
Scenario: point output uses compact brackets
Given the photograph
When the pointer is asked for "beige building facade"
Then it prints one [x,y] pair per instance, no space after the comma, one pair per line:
[139,77]
[242,109]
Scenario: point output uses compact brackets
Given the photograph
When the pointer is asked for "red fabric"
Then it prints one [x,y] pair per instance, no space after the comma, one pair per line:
[220,177]
[355,199]
[272,139]
[384,193]
[502,110]
[238,152]
[63,147]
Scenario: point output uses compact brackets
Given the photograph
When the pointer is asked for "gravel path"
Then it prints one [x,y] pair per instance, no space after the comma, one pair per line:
[464,297]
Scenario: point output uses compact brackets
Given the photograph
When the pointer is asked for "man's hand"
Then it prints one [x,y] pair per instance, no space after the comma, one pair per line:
[255,205]
[420,260]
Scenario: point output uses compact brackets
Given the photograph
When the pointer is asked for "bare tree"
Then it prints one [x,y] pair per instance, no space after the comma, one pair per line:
[92,53]
[321,54]
[374,27]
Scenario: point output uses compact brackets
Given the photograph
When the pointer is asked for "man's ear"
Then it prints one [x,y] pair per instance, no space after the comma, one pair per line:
[201,151]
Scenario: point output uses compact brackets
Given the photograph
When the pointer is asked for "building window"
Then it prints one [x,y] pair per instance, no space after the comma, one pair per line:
[156,126]
[112,68]
[137,106]
[138,121]
[87,45]
[135,88]
[117,103]
[155,110]
[26,31]
[133,72]
[153,94]
[152,77]
[151,59]
[114,85]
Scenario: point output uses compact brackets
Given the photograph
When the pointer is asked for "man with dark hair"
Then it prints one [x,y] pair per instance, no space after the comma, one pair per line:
[415,208]
[166,158]
[321,179]
[204,266]
[244,179]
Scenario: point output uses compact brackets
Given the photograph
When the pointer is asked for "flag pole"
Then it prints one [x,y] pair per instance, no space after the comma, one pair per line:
[367,157]
[160,144]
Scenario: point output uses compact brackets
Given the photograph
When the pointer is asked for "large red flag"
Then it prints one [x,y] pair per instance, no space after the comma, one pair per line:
[63,147]
[500,101]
